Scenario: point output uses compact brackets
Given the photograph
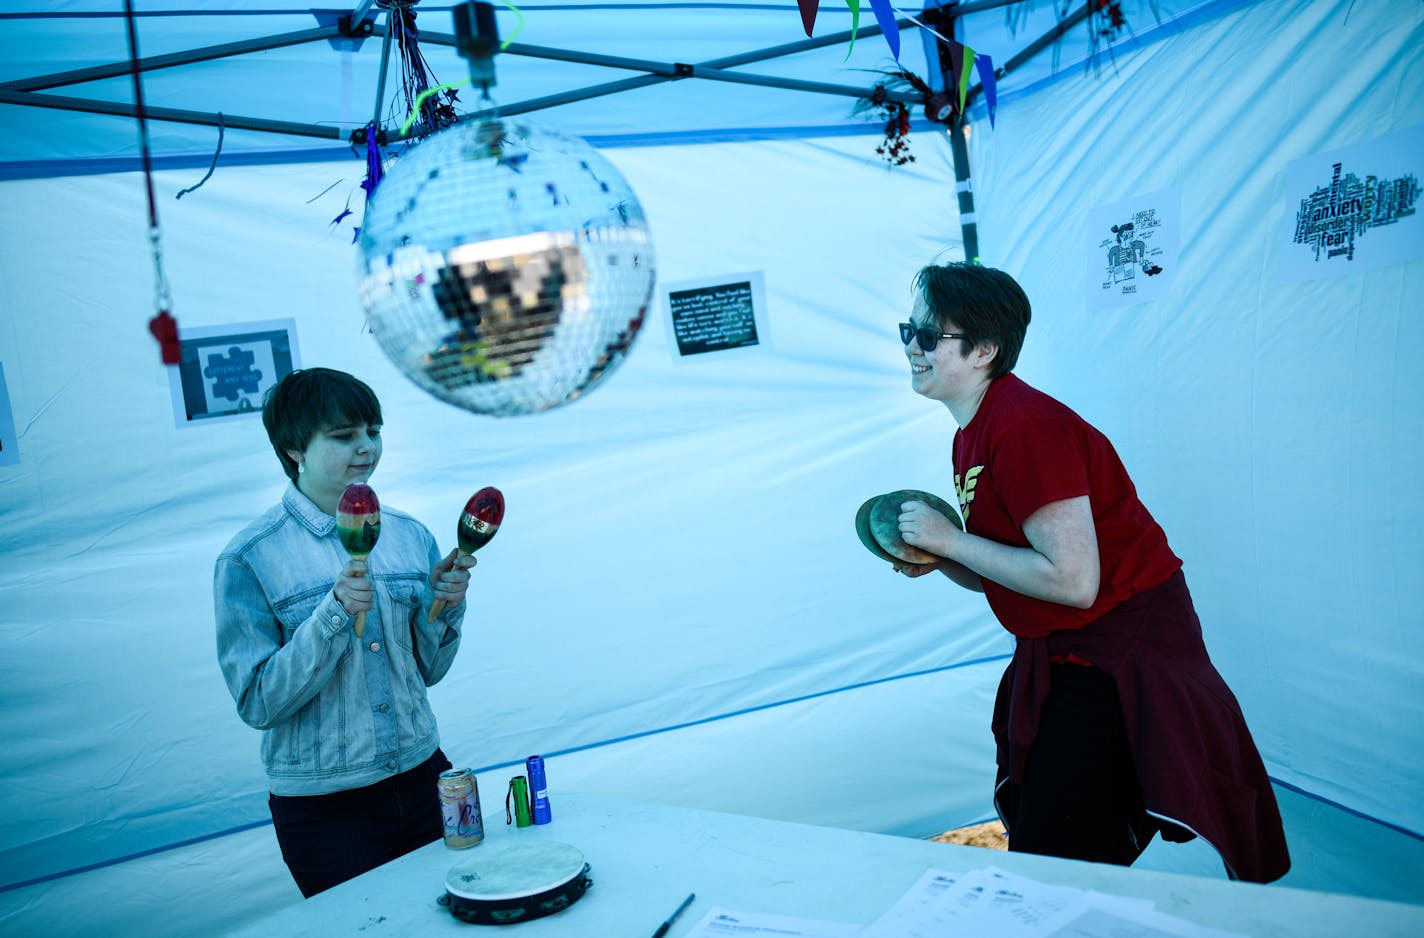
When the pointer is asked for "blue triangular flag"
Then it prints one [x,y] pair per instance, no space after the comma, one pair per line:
[986,81]
[885,16]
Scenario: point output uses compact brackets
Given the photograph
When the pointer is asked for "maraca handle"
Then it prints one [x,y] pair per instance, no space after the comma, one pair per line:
[439,604]
[360,627]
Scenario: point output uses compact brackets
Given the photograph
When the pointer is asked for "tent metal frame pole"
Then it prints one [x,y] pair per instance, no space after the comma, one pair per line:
[381,81]
[173,59]
[659,72]
[943,19]
[361,11]
[23,91]
[964,187]
[979,6]
[645,65]
[171,115]
[946,16]
[1034,48]
[678,70]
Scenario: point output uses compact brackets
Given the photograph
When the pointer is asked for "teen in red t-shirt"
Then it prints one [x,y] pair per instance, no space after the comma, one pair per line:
[1024,450]
[1111,722]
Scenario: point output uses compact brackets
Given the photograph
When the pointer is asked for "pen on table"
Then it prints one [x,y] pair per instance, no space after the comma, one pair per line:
[663,928]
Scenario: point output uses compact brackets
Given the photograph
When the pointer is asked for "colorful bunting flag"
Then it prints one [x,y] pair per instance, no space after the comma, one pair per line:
[808,13]
[954,51]
[963,61]
[854,25]
[965,70]
[987,82]
[885,16]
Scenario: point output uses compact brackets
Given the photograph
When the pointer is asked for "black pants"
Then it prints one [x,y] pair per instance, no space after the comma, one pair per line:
[328,839]
[1080,797]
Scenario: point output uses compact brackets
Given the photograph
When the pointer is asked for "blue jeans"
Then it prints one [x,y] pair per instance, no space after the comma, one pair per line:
[328,839]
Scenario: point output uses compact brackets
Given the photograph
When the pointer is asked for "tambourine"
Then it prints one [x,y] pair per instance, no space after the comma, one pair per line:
[514,882]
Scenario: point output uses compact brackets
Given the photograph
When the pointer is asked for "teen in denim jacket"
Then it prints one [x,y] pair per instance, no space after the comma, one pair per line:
[349,740]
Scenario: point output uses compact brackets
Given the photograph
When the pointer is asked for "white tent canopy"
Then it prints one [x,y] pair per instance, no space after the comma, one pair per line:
[677,607]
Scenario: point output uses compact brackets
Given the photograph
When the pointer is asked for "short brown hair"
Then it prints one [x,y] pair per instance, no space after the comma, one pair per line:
[984,303]
[309,400]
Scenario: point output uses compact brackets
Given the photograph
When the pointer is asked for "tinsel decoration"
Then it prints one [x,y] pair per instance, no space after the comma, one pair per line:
[431,111]
[430,105]
[1106,25]
[895,149]
[375,169]
[1108,19]
[1105,20]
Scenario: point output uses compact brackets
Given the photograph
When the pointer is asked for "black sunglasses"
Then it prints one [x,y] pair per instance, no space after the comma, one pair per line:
[927,337]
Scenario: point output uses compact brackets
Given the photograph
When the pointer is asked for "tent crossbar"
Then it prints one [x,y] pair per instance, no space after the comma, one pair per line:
[171,115]
[172,59]
[804,45]
[566,97]
[1049,38]
[581,58]
[979,6]
[23,91]
[613,61]
[791,84]
[675,70]
[659,72]
[361,11]
[1034,48]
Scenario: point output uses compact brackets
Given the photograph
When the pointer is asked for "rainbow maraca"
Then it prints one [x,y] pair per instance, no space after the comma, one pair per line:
[358,522]
[478,523]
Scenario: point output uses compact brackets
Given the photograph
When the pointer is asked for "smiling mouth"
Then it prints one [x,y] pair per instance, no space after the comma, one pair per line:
[919,369]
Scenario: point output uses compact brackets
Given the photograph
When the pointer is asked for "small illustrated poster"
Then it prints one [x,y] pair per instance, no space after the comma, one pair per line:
[1132,249]
[9,444]
[1353,209]
[719,314]
[225,370]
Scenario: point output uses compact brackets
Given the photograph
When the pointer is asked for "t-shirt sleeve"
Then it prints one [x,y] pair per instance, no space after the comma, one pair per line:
[1038,461]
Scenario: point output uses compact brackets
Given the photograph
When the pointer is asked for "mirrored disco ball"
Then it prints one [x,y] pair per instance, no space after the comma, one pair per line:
[505,268]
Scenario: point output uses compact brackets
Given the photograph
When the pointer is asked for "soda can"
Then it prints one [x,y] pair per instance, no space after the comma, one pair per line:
[518,794]
[538,789]
[460,807]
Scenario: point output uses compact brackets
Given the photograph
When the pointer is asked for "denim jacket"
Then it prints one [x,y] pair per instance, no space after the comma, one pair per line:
[337,712]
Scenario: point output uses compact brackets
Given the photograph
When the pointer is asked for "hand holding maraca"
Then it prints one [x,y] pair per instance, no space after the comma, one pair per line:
[478,523]
[353,588]
[450,579]
[358,523]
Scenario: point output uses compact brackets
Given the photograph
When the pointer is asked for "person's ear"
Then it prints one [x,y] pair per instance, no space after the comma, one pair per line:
[985,353]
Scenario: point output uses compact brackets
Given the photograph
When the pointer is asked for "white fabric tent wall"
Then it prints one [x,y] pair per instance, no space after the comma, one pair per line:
[677,608]
[1277,431]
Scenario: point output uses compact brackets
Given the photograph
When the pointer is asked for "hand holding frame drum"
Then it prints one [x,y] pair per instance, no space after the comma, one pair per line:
[479,522]
[358,523]
[878,524]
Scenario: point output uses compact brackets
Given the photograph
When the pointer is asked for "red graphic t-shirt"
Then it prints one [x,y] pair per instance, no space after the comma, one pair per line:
[1024,450]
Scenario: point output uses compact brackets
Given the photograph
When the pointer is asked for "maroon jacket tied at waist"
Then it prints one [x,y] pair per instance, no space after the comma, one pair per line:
[1196,761]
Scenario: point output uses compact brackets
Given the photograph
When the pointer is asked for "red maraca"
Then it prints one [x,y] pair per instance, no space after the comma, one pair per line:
[358,522]
[478,523]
